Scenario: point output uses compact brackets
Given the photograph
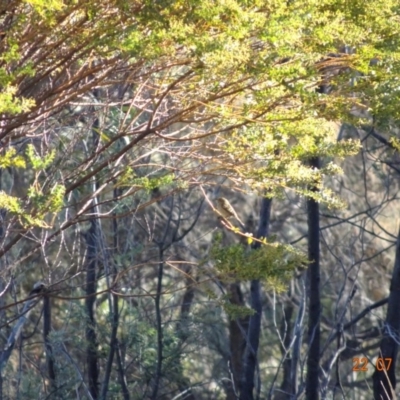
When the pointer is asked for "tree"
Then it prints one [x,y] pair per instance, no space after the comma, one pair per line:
[110,134]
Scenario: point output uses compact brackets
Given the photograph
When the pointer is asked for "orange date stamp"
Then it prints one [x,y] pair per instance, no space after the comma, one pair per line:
[360,364]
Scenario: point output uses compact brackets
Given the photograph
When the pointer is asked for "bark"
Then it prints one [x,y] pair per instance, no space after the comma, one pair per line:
[49,350]
[160,345]
[114,311]
[253,335]
[237,335]
[113,345]
[121,373]
[384,381]
[286,330]
[313,361]
[38,288]
[91,351]
[182,328]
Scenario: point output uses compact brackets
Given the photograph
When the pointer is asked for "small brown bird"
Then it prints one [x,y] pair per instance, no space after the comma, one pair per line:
[226,210]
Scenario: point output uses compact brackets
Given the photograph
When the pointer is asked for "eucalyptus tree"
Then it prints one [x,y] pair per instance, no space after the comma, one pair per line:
[119,118]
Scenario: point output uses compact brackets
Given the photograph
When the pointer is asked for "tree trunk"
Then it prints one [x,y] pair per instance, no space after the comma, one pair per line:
[91,351]
[253,334]
[237,341]
[312,379]
[384,379]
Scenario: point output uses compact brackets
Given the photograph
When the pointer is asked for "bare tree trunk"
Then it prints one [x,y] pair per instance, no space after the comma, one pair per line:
[187,301]
[253,334]
[114,311]
[121,373]
[182,328]
[38,288]
[286,328]
[93,248]
[49,350]
[384,379]
[237,341]
[91,351]
[160,345]
[313,361]
[298,333]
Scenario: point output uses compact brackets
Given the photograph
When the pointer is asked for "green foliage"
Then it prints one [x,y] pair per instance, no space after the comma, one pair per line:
[15,207]
[41,202]
[140,337]
[65,373]
[38,163]
[129,179]
[273,263]
[235,311]
[395,142]
[244,72]
[11,204]
[275,157]
[9,159]
[50,202]
[11,104]
[253,64]
[41,6]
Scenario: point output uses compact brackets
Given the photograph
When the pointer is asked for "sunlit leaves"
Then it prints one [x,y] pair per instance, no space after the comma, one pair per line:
[9,103]
[11,203]
[250,69]
[10,159]
[44,203]
[37,161]
[40,201]
[128,178]
[273,263]
[45,5]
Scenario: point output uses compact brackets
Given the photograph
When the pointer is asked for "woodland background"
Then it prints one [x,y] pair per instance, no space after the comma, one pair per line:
[121,122]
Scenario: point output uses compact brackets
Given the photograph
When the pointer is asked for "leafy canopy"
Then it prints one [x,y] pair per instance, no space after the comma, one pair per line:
[235,81]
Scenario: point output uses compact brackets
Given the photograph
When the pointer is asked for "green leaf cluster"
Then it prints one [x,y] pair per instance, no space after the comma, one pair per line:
[10,159]
[11,204]
[9,103]
[272,263]
[50,202]
[37,162]
[128,178]
[41,202]
[235,311]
